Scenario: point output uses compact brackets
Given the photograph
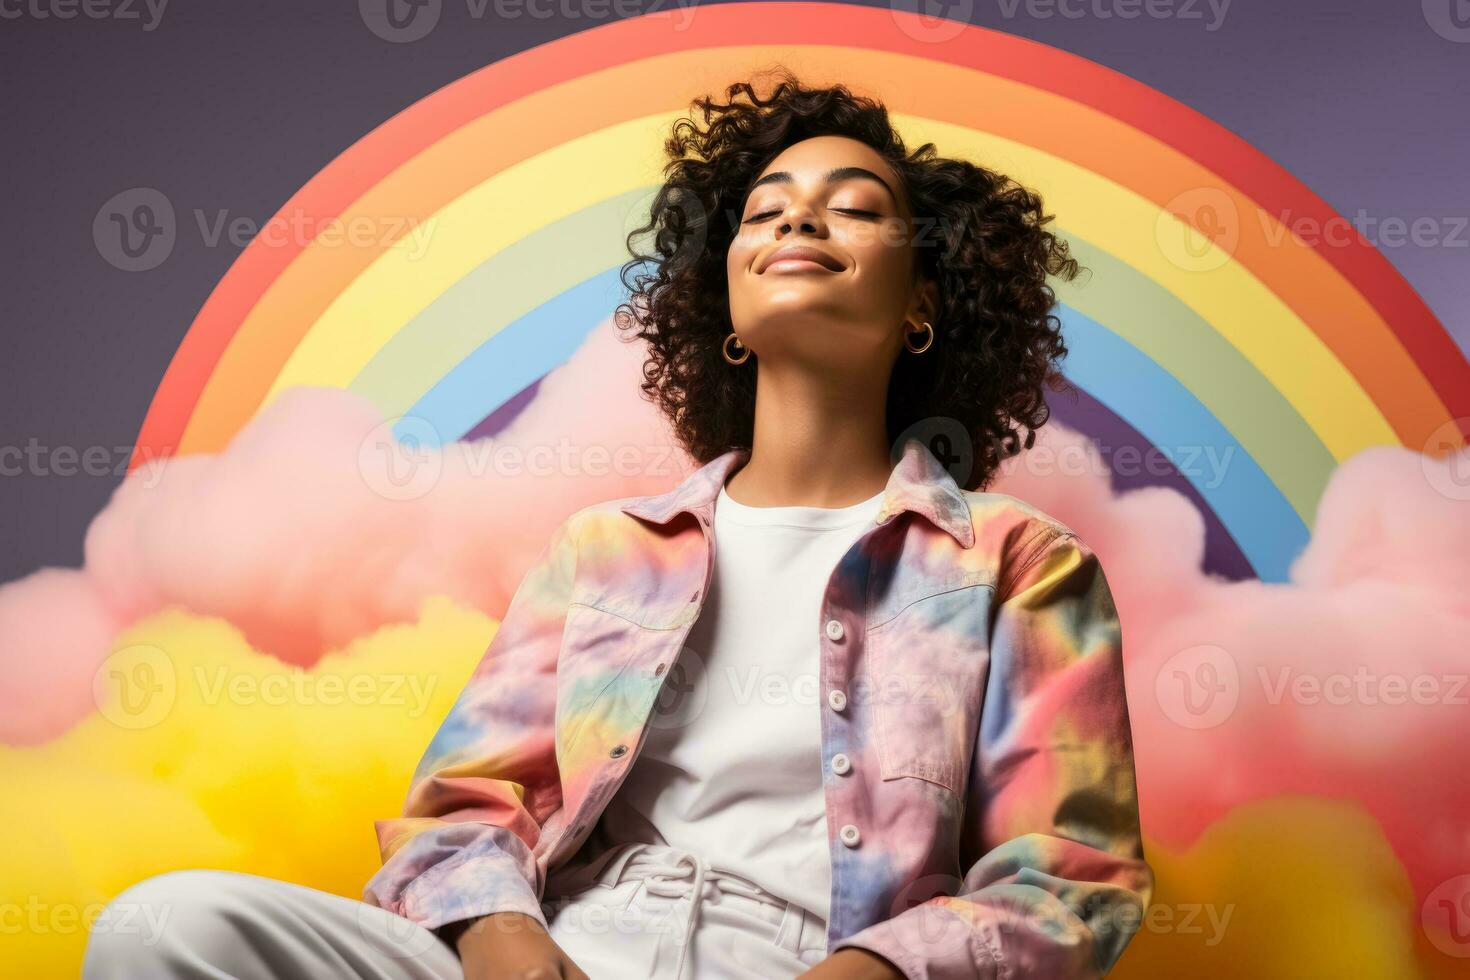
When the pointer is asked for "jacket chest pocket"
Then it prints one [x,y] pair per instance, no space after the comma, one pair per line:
[608,670]
[598,650]
[929,666]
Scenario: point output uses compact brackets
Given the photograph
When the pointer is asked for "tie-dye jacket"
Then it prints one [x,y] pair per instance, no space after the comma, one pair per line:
[971,671]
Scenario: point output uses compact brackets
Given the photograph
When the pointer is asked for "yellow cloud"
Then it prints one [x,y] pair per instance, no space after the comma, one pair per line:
[1279,889]
[206,753]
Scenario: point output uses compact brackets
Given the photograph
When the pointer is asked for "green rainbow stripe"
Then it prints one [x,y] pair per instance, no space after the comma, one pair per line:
[1205,322]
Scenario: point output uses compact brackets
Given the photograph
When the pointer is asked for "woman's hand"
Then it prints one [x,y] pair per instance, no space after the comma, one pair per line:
[853,964]
[513,946]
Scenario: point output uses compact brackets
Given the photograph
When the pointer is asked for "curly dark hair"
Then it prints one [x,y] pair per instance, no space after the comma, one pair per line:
[978,235]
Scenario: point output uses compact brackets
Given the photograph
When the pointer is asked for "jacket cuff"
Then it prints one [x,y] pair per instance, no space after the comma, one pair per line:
[473,882]
[929,942]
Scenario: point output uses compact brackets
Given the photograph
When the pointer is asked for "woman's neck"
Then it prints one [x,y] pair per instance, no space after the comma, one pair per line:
[815,444]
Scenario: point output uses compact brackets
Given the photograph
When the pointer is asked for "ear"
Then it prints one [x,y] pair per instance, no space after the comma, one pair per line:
[925,303]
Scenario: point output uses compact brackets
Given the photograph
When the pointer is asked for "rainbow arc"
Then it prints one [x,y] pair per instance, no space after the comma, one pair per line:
[1206,323]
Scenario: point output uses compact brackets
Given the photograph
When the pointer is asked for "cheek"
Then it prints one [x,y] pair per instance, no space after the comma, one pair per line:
[740,284]
[883,244]
[742,251]
[881,267]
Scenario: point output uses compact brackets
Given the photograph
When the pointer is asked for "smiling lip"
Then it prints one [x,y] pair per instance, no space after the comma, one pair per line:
[801,258]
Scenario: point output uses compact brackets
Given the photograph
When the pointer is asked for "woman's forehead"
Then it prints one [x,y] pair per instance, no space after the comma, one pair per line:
[824,158]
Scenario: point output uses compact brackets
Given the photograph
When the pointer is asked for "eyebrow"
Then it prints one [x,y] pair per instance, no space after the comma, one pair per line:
[832,176]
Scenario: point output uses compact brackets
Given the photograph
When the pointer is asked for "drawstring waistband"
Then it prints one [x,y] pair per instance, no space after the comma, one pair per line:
[674,873]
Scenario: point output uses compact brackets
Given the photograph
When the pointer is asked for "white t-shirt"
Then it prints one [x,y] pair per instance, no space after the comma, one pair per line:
[731,767]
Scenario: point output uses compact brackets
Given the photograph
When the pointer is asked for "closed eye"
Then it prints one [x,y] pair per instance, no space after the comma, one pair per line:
[856,211]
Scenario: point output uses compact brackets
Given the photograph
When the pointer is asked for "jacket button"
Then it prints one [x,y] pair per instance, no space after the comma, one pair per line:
[834,629]
[849,834]
[618,750]
[841,764]
[657,671]
[837,700]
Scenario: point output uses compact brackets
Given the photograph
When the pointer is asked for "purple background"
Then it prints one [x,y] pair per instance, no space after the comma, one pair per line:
[234,106]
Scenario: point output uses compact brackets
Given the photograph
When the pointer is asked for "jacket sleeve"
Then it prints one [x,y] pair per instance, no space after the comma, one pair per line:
[489,779]
[1056,883]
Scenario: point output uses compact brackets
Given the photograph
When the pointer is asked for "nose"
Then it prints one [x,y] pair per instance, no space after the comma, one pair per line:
[799,215]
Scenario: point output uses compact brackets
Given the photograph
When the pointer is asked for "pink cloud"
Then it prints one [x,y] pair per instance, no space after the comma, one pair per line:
[298,534]
[55,629]
[1349,681]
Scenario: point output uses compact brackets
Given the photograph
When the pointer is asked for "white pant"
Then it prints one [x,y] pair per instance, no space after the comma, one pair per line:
[653,911]
[620,917]
[228,924]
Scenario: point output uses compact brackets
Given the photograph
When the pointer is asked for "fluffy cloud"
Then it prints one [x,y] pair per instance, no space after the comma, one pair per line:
[1350,681]
[307,532]
[210,754]
[300,554]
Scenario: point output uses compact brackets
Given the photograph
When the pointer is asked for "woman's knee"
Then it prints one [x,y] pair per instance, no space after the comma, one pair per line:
[168,920]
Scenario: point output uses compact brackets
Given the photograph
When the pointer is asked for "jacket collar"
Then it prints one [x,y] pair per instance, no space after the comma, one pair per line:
[918,483]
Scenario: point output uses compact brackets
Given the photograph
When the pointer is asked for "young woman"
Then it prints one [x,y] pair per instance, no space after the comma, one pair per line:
[826,708]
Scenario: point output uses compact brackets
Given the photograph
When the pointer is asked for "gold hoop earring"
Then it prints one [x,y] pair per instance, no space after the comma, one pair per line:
[725,349]
[919,350]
